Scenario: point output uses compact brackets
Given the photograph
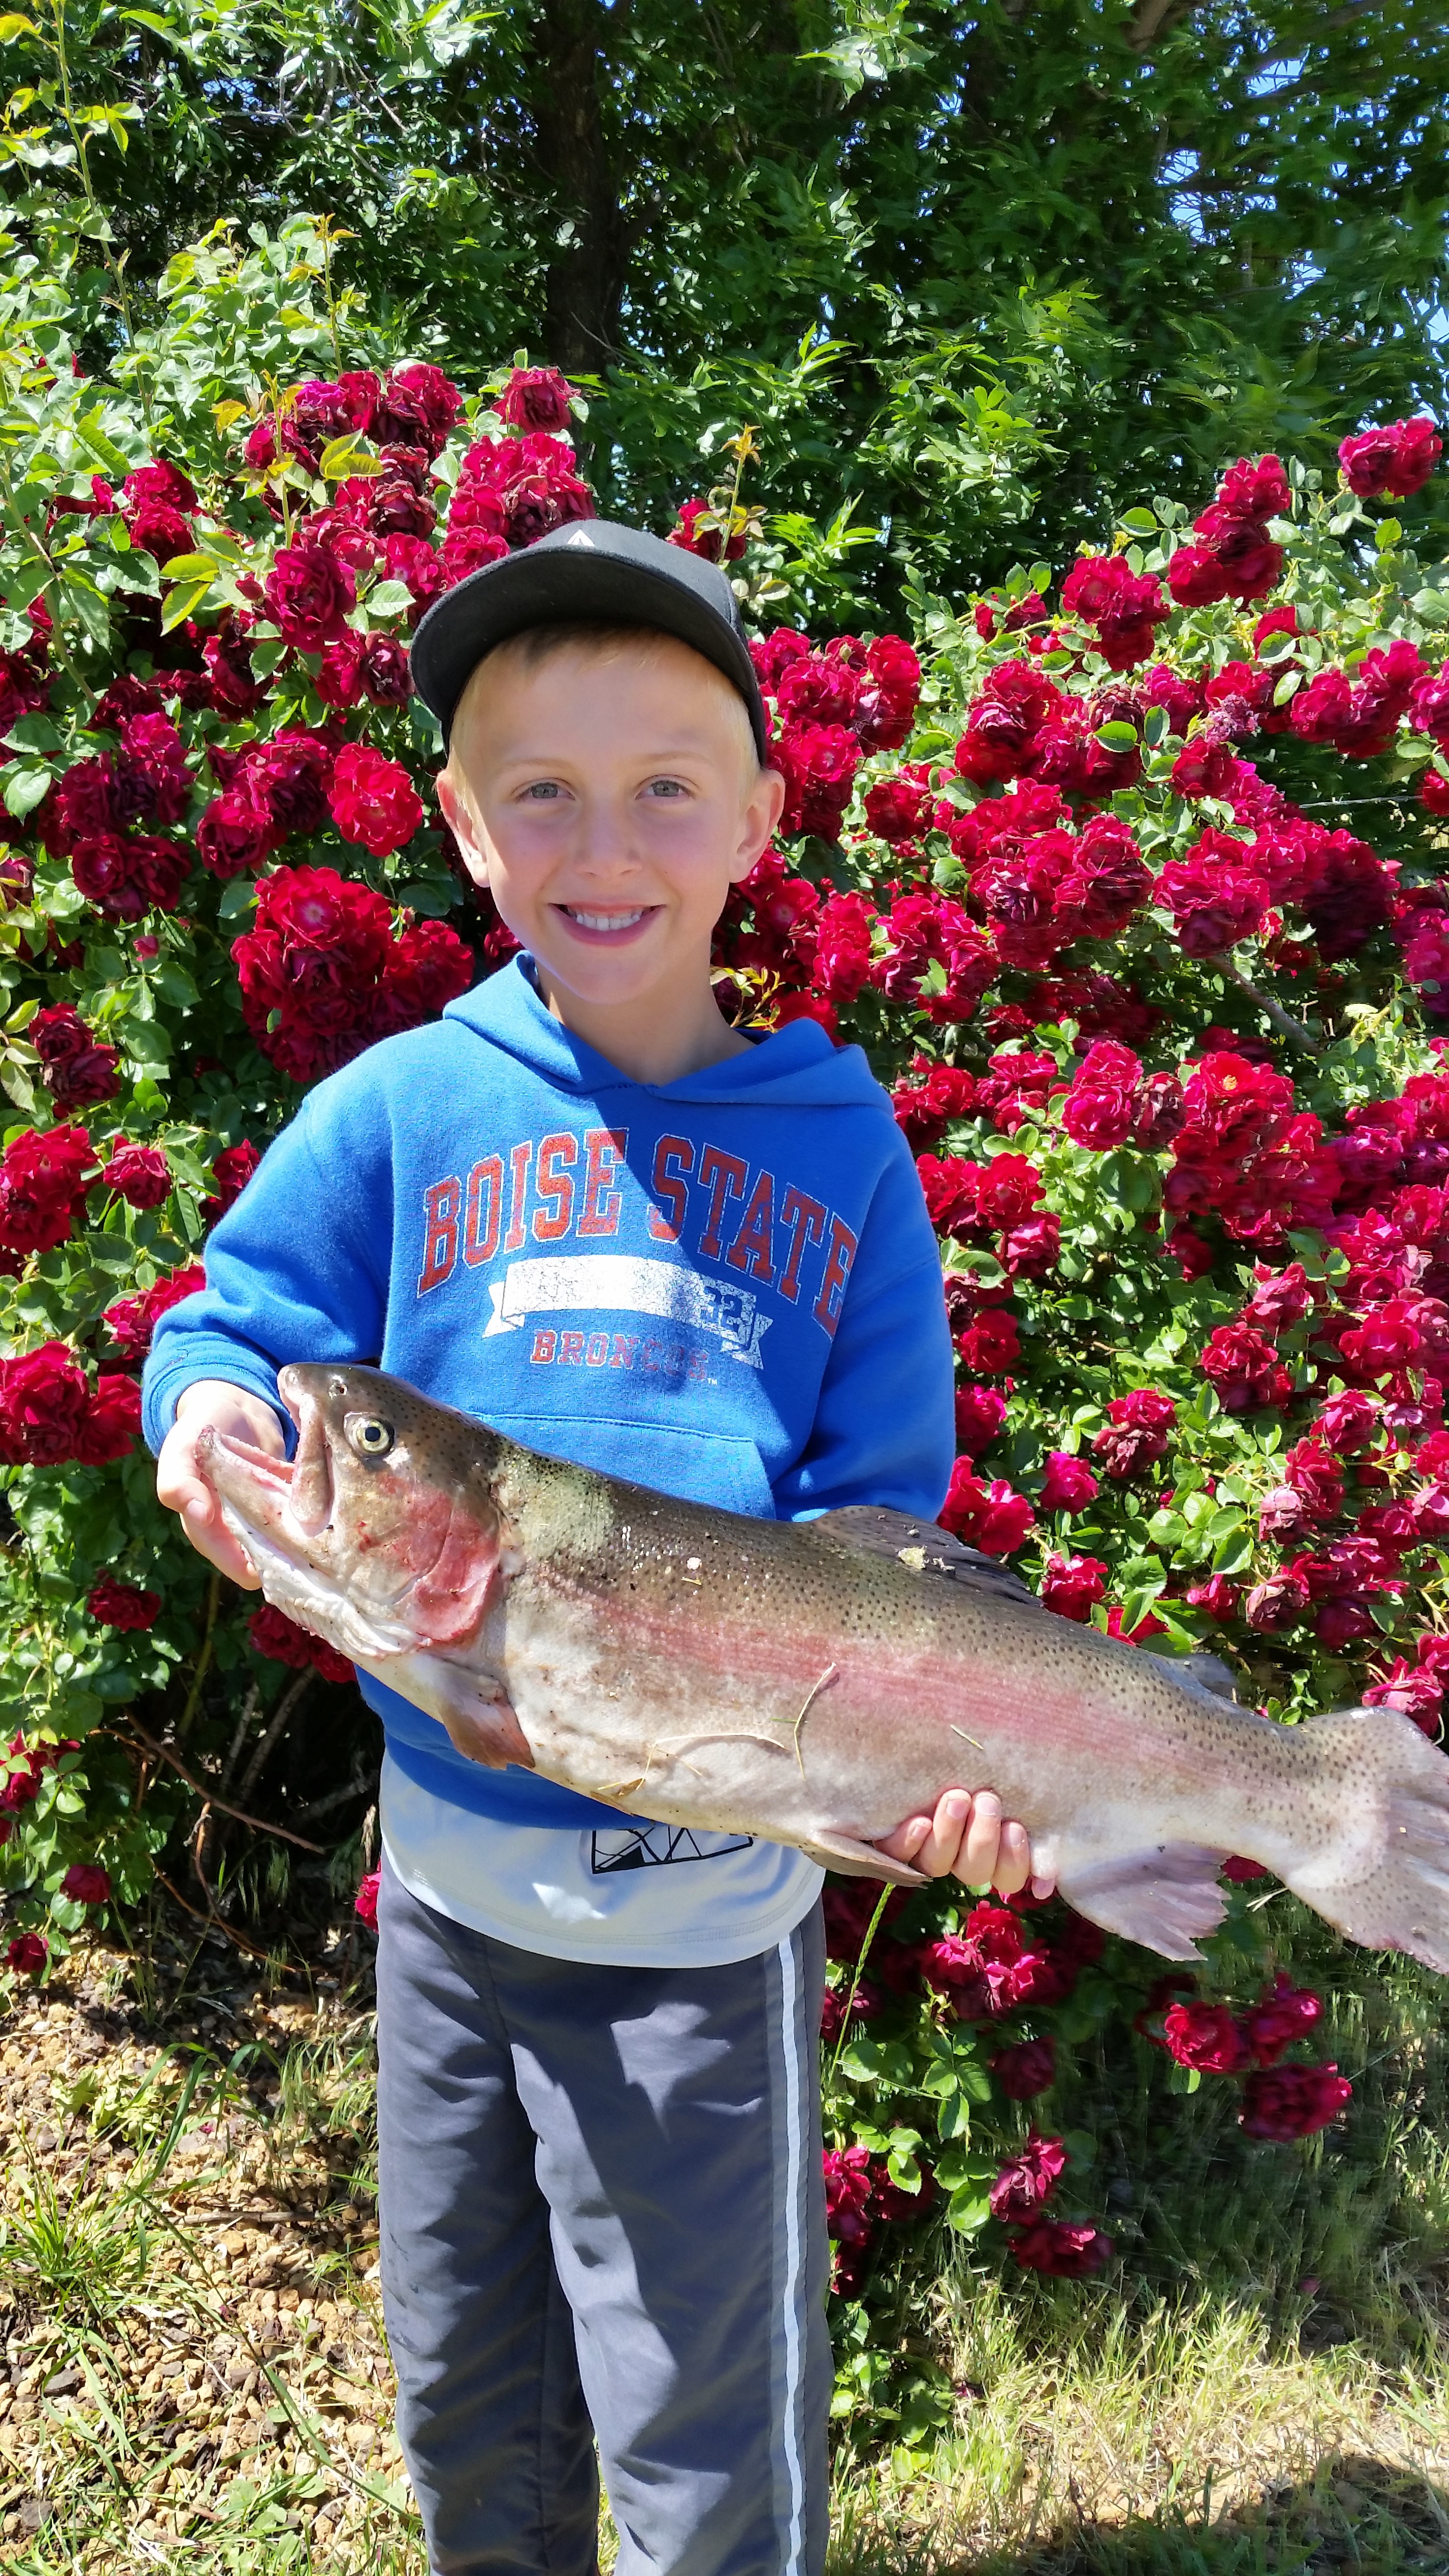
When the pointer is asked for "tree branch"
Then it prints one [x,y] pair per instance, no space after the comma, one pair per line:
[164,1753]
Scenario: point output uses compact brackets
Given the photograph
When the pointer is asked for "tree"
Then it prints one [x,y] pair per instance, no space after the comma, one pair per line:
[1002,255]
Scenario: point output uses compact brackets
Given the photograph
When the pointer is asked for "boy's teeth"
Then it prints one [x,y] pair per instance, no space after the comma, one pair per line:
[605,920]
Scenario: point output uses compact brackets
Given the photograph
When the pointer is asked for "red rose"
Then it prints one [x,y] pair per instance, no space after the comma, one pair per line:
[1135,1433]
[1276,1604]
[1055,2246]
[1285,2014]
[87,1882]
[694,540]
[44,1398]
[990,1517]
[416,406]
[123,1605]
[153,783]
[290,774]
[842,947]
[234,687]
[112,1422]
[309,593]
[272,1633]
[1218,1597]
[386,672]
[898,809]
[1396,459]
[847,2194]
[1026,2069]
[1284,2102]
[536,398]
[339,682]
[132,1320]
[43,1182]
[1068,1483]
[364,1904]
[1072,1585]
[428,967]
[231,1170]
[140,1174]
[126,877]
[413,561]
[27,1954]
[1028,2180]
[990,1345]
[236,834]
[980,1413]
[1245,1369]
[1205,2036]
[373,800]
[77,1071]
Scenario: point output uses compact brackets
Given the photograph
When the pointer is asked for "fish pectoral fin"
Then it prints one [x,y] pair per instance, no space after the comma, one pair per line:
[873,1529]
[479,1719]
[855,1859]
[1167,1896]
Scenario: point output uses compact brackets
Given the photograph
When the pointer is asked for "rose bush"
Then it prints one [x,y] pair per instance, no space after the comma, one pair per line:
[1138,904]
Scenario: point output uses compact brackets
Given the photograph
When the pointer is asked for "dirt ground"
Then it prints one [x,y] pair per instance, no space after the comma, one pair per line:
[189,2264]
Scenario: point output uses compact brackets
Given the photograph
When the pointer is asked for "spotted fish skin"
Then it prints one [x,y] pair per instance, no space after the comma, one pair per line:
[796,1681]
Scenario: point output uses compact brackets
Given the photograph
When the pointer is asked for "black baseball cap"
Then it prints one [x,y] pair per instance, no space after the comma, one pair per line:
[590,571]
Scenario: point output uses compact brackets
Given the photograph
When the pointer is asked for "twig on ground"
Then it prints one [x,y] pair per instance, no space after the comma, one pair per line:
[213,1922]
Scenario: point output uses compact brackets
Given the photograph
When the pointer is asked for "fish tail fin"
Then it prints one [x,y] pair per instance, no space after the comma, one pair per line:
[1387,1882]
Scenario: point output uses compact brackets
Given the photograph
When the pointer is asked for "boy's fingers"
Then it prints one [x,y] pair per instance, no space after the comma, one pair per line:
[1043,1886]
[1013,1867]
[977,1864]
[907,1839]
[939,1853]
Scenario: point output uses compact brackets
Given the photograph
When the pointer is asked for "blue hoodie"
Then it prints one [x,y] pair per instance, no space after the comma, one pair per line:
[725,1287]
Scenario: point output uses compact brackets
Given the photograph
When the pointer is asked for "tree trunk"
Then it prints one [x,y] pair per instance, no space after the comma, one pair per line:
[584,291]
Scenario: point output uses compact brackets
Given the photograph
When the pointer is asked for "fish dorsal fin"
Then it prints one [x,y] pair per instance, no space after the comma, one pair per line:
[922,1546]
[1203,1672]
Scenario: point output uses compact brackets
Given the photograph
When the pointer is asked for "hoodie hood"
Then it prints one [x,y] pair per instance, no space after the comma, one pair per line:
[796,1067]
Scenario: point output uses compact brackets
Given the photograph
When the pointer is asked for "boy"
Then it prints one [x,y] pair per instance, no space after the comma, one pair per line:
[586,1209]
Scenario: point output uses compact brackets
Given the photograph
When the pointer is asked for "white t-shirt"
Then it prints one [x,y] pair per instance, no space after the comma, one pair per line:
[660,1897]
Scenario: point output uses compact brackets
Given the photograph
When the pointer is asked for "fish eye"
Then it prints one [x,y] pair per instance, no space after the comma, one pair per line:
[369,1435]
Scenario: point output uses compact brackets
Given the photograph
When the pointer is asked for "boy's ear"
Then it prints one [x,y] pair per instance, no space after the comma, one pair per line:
[763,807]
[463,828]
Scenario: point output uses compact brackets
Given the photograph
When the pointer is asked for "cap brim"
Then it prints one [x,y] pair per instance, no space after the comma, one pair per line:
[545,586]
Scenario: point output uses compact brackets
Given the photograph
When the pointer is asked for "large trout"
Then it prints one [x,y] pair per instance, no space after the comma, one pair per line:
[811,1682]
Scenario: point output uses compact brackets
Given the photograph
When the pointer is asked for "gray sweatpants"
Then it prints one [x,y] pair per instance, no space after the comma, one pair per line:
[603,2220]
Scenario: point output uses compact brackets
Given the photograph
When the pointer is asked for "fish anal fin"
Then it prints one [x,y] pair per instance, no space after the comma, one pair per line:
[1166,1896]
[855,1859]
[873,1529]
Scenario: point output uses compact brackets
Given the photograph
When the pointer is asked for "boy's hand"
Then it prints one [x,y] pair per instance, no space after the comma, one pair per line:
[967,1836]
[180,1484]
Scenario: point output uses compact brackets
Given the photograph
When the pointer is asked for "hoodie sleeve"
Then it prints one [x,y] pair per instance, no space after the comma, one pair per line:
[884,1428]
[297,1269]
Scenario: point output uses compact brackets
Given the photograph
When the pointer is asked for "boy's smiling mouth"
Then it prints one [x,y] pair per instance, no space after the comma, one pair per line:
[600,923]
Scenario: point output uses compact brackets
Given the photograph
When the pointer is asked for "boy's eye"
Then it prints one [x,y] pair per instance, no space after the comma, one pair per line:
[665,787]
[541,791]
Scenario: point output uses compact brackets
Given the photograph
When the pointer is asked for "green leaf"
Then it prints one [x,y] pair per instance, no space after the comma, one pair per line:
[968,2211]
[388,599]
[24,789]
[1117,736]
[13,25]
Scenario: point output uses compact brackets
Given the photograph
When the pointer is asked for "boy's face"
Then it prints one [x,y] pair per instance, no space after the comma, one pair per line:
[611,800]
